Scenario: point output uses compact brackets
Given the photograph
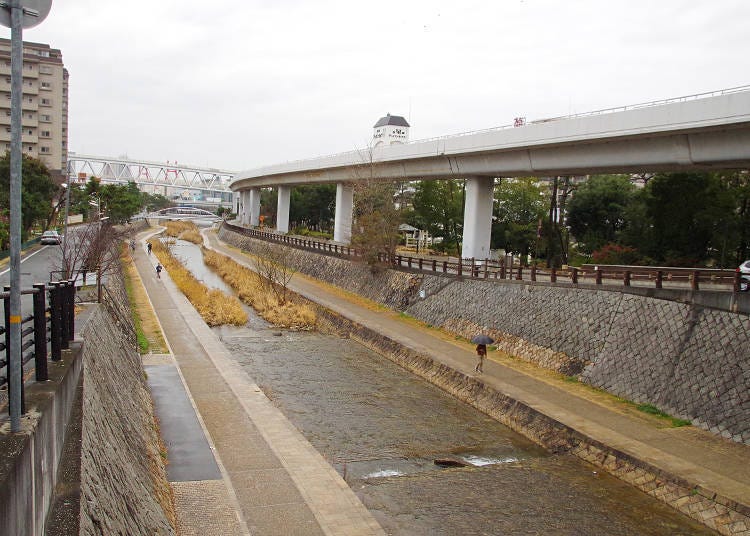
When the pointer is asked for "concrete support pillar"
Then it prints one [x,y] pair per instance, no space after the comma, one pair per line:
[246,207]
[478,217]
[244,214]
[254,206]
[342,225]
[282,209]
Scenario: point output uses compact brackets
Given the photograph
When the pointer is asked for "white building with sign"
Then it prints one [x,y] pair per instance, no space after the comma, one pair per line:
[390,130]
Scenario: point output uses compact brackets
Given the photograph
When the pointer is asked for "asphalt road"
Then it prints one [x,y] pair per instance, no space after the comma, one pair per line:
[36,265]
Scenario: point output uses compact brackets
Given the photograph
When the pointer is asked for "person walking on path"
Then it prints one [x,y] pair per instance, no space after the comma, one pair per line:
[481,340]
[148,247]
[481,354]
[159,268]
[132,245]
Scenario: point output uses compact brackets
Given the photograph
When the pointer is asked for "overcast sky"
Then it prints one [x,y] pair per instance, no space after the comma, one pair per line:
[238,84]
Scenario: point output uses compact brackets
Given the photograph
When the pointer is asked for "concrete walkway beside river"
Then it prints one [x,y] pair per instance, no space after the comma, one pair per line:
[270,480]
[278,484]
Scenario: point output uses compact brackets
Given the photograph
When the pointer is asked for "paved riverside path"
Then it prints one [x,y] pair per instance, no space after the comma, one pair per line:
[702,459]
[270,480]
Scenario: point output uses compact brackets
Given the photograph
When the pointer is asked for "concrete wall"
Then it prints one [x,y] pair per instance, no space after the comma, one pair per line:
[690,361]
[123,480]
[29,460]
[123,486]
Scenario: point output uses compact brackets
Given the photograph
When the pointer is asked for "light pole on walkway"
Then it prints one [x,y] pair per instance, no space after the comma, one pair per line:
[17,15]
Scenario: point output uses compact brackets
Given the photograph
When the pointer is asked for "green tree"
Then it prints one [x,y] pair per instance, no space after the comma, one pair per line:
[690,214]
[37,192]
[596,213]
[438,209]
[4,230]
[154,202]
[79,201]
[312,206]
[268,205]
[733,243]
[520,205]
[120,202]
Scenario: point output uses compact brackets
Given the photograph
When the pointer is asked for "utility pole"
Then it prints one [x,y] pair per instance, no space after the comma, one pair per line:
[17,14]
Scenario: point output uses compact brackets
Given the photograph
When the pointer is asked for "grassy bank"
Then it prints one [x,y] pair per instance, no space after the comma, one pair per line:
[149,335]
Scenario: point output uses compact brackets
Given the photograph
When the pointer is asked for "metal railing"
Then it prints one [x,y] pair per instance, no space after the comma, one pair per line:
[508,269]
[82,277]
[45,333]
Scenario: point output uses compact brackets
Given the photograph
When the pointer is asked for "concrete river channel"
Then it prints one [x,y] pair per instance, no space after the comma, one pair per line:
[383,428]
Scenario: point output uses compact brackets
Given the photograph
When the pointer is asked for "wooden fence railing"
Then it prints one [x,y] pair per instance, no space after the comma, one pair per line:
[506,269]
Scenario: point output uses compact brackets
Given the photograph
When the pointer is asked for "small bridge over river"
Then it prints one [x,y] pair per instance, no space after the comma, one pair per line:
[182,213]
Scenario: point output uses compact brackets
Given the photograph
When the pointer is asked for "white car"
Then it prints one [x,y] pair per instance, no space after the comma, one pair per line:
[744,271]
[50,238]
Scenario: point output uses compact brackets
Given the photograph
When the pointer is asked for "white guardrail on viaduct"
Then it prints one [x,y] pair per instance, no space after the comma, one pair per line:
[705,131]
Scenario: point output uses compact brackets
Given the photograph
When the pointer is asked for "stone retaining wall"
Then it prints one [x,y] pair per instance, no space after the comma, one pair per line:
[719,513]
[124,489]
[689,361]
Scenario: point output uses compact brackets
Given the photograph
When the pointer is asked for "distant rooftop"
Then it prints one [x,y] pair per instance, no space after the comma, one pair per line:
[395,120]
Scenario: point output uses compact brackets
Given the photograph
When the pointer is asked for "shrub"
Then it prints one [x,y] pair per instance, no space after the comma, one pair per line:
[616,254]
[304,231]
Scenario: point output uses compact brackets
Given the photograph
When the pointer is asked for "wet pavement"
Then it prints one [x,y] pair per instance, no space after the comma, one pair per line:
[190,454]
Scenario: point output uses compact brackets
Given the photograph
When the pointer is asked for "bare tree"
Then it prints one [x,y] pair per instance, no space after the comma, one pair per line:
[376,218]
[92,247]
[273,264]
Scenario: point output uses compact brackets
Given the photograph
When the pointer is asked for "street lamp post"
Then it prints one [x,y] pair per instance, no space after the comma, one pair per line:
[17,14]
[67,187]
[95,201]
[65,267]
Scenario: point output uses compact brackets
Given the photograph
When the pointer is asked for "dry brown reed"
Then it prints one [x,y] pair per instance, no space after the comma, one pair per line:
[214,306]
[255,291]
[184,230]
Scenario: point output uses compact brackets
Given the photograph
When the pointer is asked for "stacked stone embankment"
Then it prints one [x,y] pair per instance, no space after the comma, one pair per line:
[689,361]
[124,489]
[722,514]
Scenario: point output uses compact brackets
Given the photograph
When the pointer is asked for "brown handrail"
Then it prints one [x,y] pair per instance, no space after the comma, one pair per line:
[504,268]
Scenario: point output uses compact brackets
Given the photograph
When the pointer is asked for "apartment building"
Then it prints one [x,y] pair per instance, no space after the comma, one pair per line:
[45,105]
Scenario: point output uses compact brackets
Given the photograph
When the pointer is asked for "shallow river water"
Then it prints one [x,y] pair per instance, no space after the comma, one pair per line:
[382,428]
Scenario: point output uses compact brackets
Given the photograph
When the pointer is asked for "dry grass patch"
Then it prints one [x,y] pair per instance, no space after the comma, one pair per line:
[256,291]
[184,230]
[176,227]
[193,236]
[214,306]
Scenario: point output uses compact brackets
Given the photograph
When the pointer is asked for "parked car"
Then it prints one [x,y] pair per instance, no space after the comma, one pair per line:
[50,238]
[744,271]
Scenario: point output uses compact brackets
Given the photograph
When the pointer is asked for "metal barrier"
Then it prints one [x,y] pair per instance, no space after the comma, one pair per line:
[44,333]
[506,269]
